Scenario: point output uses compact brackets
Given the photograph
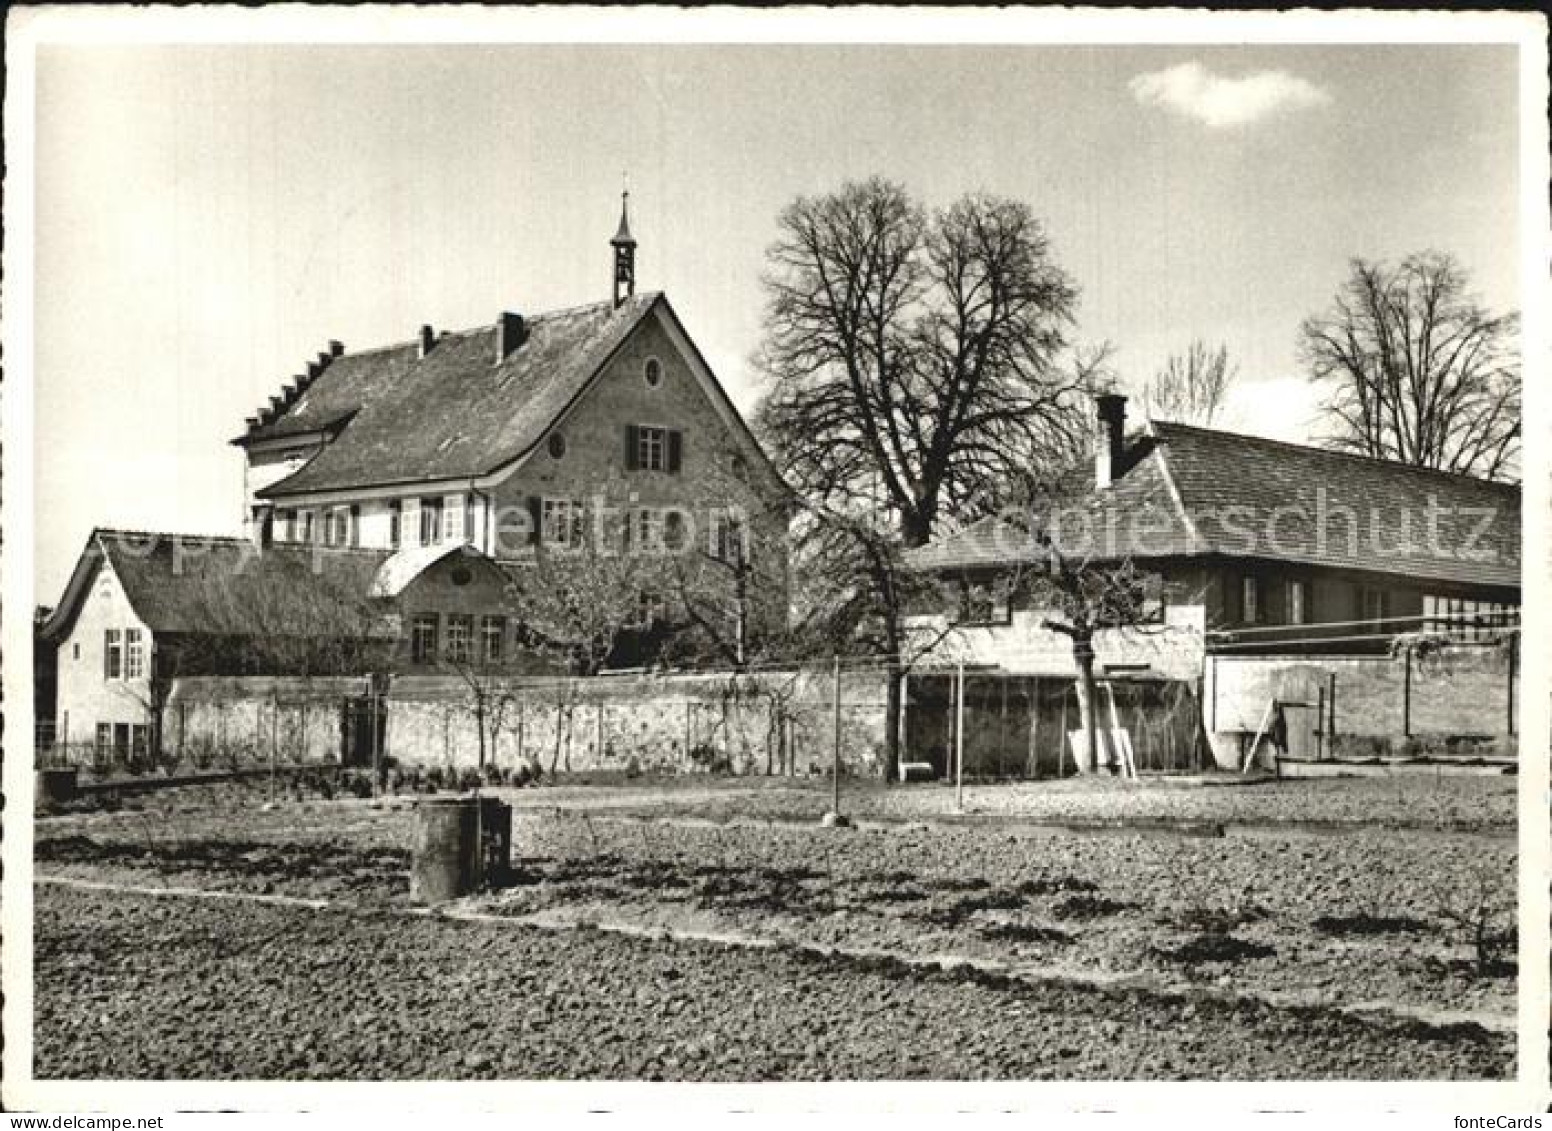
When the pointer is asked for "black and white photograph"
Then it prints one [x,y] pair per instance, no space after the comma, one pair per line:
[834,550]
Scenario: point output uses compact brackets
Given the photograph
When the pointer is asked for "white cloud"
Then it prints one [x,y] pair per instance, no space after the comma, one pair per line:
[1194,91]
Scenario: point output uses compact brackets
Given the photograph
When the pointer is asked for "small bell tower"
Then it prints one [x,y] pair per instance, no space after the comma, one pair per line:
[624,245]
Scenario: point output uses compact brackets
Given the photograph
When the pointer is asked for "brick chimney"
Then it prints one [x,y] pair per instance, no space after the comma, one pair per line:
[427,340]
[511,332]
[1110,439]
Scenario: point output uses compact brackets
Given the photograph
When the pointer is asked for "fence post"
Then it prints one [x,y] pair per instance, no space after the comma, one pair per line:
[1331,705]
[959,739]
[1406,692]
[835,759]
[1514,655]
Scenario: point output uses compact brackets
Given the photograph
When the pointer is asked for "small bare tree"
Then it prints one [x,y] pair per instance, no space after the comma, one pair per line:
[577,599]
[1192,386]
[1417,370]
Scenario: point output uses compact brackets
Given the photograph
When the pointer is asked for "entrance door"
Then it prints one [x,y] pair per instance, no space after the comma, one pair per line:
[363,721]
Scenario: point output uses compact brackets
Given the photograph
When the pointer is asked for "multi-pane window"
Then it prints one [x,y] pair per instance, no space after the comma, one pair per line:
[287,525]
[453,518]
[471,519]
[651,448]
[395,517]
[460,635]
[493,632]
[983,604]
[1467,620]
[643,530]
[1250,600]
[1298,598]
[305,518]
[134,654]
[104,738]
[430,520]
[423,638]
[353,529]
[727,539]
[561,522]
[112,653]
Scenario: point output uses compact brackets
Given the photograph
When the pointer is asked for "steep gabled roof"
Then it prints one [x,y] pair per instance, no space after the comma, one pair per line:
[1191,491]
[455,413]
[169,579]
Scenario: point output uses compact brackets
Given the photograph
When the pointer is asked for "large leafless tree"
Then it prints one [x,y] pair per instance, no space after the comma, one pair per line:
[917,365]
[912,358]
[1192,387]
[1417,370]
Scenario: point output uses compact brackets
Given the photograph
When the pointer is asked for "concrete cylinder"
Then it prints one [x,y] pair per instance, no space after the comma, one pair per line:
[460,844]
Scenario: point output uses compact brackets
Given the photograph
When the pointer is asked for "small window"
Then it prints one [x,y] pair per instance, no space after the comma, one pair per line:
[1298,593]
[306,517]
[983,604]
[460,637]
[1250,600]
[134,654]
[395,519]
[75,651]
[653,372]
[430,521]
[557,446]
[493,631]
[727,539]
[112,654]
[423,638]
[651,448]
[561,522]
[453,516]
[675,530]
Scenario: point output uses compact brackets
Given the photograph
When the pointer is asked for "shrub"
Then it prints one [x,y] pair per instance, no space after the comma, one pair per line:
[468,779]
[494,774]
[435,779]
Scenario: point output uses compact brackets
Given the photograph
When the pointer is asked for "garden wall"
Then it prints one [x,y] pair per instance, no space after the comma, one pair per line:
[251,720]
[1464,690]
[771,723]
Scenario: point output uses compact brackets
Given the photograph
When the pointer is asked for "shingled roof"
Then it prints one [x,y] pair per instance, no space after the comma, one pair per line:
[170,579]
[1188,492]
[455,413]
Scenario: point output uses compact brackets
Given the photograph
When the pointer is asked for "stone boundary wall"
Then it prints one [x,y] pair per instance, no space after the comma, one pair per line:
[252,720]
[768,723]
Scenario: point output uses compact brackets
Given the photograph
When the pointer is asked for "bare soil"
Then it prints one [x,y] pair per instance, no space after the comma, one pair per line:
[1141,953]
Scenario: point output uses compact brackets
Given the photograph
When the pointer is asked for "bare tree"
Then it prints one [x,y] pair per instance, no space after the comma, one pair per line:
[912,359]
[917,366]
[1417,370]
[1191,387]
[578,599]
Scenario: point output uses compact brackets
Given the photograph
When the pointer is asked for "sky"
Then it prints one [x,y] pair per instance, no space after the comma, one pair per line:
[208,217]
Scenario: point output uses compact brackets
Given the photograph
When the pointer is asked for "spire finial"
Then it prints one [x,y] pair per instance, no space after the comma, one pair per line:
[624,253]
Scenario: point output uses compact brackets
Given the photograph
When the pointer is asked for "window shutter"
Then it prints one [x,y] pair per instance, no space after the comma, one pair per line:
[355,524]
[632,447]
[534,513]
[675,449]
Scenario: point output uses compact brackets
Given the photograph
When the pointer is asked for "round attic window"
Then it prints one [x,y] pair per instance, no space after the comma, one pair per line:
[557,445]
[653,372]
[462,575]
